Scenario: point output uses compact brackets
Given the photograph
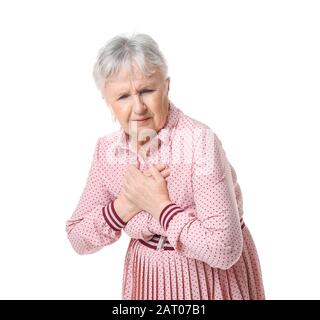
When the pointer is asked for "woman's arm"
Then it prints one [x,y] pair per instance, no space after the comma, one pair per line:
[95,222]
[211,232]
[140,227]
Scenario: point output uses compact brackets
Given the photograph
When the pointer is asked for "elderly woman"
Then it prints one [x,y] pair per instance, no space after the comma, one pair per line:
[165,180]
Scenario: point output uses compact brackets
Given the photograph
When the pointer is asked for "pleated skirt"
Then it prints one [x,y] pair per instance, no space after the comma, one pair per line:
[151,274]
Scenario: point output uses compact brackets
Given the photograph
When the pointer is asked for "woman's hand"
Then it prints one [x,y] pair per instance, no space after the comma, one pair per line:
[147,192]
[128,209]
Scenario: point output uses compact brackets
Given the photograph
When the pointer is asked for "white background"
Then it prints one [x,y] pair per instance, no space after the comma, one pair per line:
[248,69]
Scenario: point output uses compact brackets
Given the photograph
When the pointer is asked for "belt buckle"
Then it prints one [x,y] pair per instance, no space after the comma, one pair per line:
[160,242]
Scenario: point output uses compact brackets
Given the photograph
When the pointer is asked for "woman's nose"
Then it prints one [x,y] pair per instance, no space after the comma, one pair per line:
[138,104]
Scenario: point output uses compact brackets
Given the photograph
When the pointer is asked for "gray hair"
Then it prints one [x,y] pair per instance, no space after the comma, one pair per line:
[123,50]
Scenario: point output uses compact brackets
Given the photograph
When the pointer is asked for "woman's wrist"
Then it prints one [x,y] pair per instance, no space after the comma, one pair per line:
[167,213]
[120,209]
[160,206]
[123,210]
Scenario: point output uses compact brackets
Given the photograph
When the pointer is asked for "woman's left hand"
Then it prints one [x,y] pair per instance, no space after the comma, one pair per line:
[149,193]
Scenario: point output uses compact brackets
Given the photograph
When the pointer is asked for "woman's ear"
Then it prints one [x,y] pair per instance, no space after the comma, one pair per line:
[168,84]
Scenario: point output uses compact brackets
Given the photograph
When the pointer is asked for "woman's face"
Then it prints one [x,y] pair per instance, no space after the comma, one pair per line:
[138,101]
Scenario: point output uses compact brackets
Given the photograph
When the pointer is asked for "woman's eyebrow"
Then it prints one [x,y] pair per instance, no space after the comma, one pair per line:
[146,87]
[122,93]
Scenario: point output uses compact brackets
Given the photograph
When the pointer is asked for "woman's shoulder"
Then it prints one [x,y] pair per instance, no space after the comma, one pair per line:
[199,135]
[107,142]
[110,138]
[191,126]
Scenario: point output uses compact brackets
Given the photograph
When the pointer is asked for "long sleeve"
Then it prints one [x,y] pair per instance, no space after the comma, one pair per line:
[210,230]
[140,226]
[94,223]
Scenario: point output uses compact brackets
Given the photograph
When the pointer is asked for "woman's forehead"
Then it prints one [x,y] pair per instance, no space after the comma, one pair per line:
[124,79]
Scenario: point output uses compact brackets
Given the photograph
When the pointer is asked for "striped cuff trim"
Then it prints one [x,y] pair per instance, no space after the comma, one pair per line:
[167,213]
[112,218]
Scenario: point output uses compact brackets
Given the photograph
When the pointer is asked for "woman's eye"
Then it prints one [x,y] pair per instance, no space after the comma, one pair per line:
[147,91]
[123,97]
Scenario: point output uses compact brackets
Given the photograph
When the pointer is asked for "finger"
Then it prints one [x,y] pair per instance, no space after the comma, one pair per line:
[155,173]
[165,173]
[160,166]
[147,173]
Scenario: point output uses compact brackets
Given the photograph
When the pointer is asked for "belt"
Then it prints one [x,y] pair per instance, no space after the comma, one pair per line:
[158,242]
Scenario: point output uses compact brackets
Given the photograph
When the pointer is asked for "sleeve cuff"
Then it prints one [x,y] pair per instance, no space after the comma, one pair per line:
[112,218]
[167,213]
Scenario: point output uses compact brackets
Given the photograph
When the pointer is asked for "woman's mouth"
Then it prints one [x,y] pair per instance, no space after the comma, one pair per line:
[142,121]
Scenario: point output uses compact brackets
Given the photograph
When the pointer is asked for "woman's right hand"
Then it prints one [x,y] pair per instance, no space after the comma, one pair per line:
[127,209]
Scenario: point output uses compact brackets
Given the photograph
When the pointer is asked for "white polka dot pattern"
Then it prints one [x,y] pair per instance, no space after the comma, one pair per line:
[213,257]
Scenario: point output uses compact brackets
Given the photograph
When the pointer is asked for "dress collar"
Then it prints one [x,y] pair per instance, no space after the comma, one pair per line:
[163,135]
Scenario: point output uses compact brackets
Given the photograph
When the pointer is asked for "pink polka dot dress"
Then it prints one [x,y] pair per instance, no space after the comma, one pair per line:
[199,248]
